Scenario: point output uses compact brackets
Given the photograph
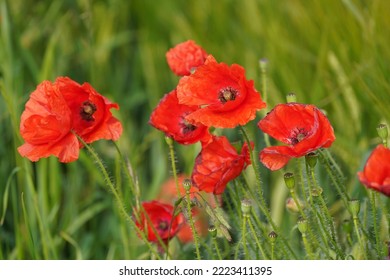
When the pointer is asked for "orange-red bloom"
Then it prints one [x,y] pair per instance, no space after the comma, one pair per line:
[304,128]
[376,172]
[217,164]
[56,110]
[224,96]
[169,117]
[158,216]
[185,57]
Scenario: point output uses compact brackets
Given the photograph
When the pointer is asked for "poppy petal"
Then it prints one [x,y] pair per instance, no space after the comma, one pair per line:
[275,158]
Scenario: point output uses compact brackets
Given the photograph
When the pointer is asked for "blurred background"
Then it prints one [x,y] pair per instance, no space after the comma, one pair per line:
[334,54]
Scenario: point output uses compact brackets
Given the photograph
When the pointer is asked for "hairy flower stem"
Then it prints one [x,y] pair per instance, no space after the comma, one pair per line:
[129,175]
[192,225]
[246,253]
[320,222]
[360,240]
[173,164]
[215,243]
[307,247]
[264,92]
[374,218]
[324,214]
[301,183]
[335,174]
[262,204]
[118,199]
[258,243]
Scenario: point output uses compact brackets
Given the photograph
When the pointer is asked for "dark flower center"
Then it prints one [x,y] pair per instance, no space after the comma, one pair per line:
[186,126]
[227,94]
[163,225]
[87,110]
[297,135]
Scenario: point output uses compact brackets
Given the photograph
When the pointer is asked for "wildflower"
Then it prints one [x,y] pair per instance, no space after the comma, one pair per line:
[304,128]
[185,57]
[217,164]
[56,111]
[169,117]
[376,172]
[224,97]
[158,217]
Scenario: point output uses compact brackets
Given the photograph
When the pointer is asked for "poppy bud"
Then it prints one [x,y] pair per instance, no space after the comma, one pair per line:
[383,132]
[311,159]
[316,192]
[272,236]
[246,206]
[263,64]
[354,206]
[347,226]
[302,225]
[289,180]
[291,97]
[213,231]
[292,206]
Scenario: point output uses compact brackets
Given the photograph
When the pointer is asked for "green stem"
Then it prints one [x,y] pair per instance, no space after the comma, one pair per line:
[264,92]
[360,240]
[301,183]
[294,196]
[215,243]
[320,220]
[329,162]
[307,247]
[246,253]
[374,217]
[192,225]
[173,164]
[329,220]
[261,249]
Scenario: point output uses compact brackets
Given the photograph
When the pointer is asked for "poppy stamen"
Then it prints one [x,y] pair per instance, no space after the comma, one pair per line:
[298,134]
[163,225]
[187,127]
[87,110]
[227,94]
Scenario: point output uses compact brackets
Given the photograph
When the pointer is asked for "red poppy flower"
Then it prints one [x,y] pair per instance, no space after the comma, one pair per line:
[56,110]
[169,117]
[376,172]
[217,164]
[159,217]
[224,96]
[185,57]
[304,128]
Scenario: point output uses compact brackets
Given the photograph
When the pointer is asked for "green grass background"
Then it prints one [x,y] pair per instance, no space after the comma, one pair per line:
[331,53]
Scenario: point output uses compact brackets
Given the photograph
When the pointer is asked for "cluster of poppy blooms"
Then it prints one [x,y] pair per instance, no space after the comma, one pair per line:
[209,94]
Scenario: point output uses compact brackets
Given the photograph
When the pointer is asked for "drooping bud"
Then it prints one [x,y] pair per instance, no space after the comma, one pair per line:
[311,159]
[354,206]
[289,180]
[246,206]
[291,97]
[292,206]
[302,225]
